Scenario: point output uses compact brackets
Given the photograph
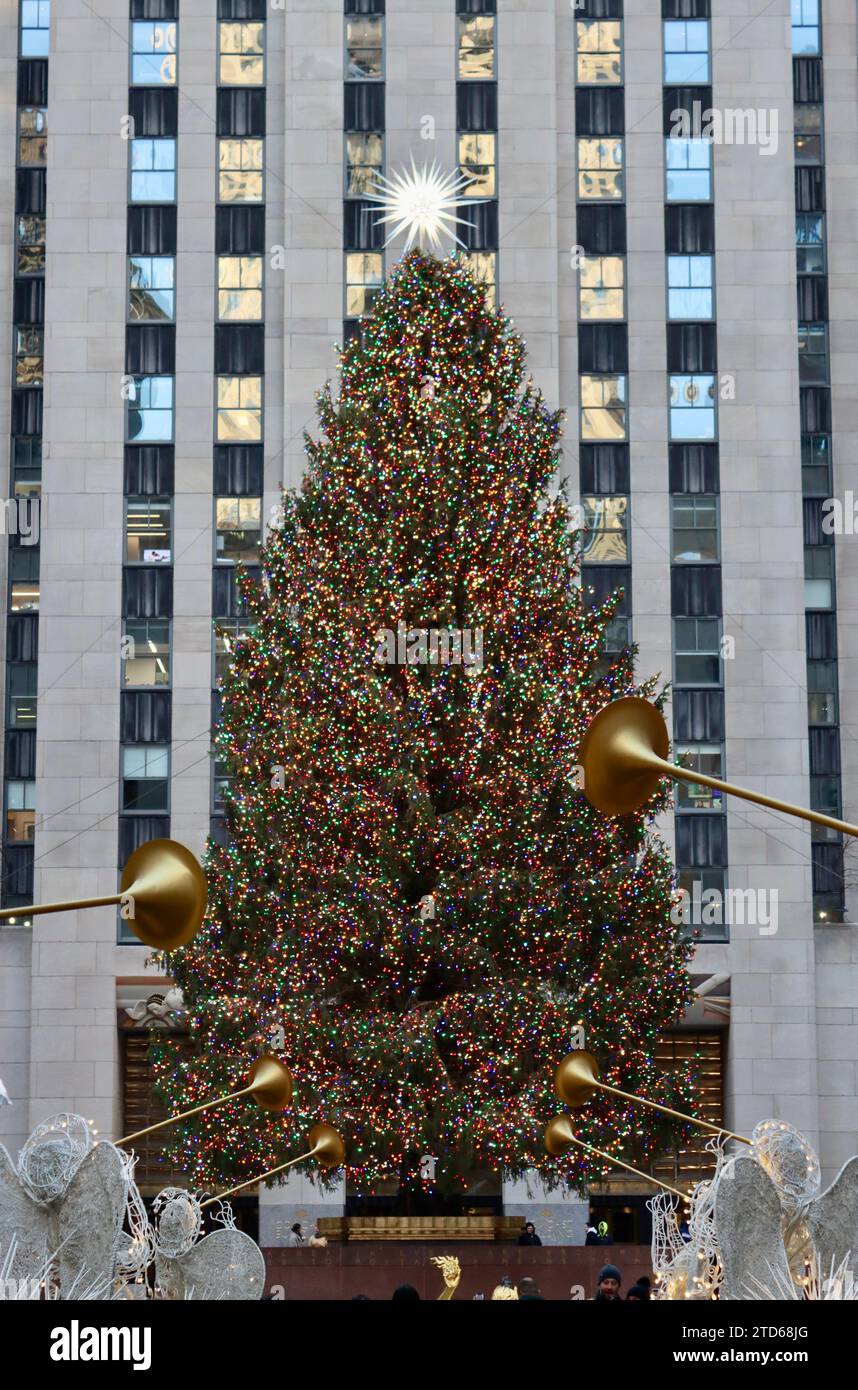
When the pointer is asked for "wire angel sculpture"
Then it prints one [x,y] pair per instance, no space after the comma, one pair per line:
[688,1266]
[225,1265]
[63,1209]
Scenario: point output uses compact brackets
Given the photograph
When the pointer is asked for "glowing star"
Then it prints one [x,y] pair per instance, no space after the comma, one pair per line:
[424,201]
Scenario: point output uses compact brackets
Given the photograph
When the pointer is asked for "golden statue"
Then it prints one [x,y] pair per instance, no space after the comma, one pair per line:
[452,1272]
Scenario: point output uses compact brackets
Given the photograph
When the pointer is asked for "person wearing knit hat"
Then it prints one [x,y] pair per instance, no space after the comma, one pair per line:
[608,1285]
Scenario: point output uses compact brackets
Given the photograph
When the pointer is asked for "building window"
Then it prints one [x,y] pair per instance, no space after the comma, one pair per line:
[606,530]
[483,267]
[29,356]
[239,409]
[600,170]
[601,292]
[147,530]
[145,777]
[695,796]
[23,579]
[600,52]
[364,278]
[145,653]
[686,52]
[23,684]
[819,576]
[476,47]
[33,135]
[805,27]
[364,162]
[153,54]
[239,288]
[150,410]
[822,692]
[242,55]
[364,47]
[816,465]
[810,243]
[228,640]
[27,467]
[707,916]
[238,529]
[153,171]
[692,407]
[30,244]
[689,287]
[240,171]
[20,812]
[603,407]
[812,354]
[689,170]
[808,133]
[222,780]
[696,651]
[35,28]
[151,289]
[477,163]
[694,529]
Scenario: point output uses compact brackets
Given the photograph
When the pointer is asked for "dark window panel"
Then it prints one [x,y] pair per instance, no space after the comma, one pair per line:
[476,106]
[821,633]
[695,591]
[219,831]
[239,349]
[693,467]
[29,300]
[154,111]
[363,106]
[362,228]
[602,230]
[33,82]
[701,842]
[824,752]
[483,234]
[812,298]
[242,9]
[22,637]
[603,347]
[147,593]
[812,515]
[154,9]
[807,79]
[600,581]
[698,716]
[827,861]
[691,347]
[150,349]
[685,99]
[462,6]
[149,470]
[686,9]
[152,230]
[145,716]
[238,470]
[240,231]
[241,111]
[689,228]
[604,467]
[30,190]
[599,9]
[809,189]
[135,831]
[815,405]
[351,329]
[20,753]
[226,599]
[27,411]
[18,863]
[599,111]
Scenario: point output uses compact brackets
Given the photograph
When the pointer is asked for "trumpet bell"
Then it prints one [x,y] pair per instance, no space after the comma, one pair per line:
[617,752]
[327,1146]
[270,1084]
[558,1136]
[167,888]
[577,1078]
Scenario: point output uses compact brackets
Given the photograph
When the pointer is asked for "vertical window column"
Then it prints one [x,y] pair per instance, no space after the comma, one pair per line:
[477,136]
[363,159]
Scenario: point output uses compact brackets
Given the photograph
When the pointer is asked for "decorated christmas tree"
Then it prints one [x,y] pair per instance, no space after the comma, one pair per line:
[417,908]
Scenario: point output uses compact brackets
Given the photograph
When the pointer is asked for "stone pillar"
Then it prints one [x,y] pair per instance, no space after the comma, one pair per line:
[299,1198]
[560,1217]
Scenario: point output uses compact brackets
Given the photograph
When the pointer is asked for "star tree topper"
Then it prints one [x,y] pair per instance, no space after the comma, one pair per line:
[423,201]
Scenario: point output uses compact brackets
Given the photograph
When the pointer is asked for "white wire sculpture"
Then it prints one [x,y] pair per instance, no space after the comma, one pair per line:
[226,1264]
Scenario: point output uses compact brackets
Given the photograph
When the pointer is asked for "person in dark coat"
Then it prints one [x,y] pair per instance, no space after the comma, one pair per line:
[528,1235]
[608,1285]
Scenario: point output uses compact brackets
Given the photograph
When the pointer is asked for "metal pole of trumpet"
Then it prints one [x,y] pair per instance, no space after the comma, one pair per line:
[164,889]
[559,1136]
[269,1082]
[623,757]
[577,1078]
[327,1148]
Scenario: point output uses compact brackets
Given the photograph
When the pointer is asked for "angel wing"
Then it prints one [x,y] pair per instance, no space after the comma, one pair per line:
[90,1218]
[749,1226]
[224,1265]
[24,1222]
[832,1219]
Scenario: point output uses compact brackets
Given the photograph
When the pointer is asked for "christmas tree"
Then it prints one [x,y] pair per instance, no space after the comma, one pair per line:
[417,906]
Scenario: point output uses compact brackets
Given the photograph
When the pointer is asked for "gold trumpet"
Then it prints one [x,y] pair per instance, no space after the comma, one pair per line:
[559,1137]
[164,887]
[326,1146]
[577,1079]
[623,757]
[269,1081]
